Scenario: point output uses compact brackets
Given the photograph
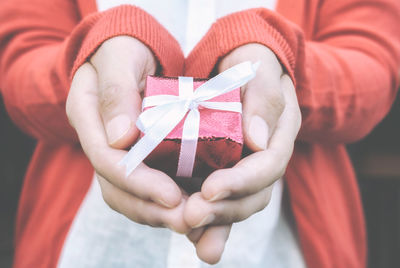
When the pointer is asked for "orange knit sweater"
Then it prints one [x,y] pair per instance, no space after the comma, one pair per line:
[342,54]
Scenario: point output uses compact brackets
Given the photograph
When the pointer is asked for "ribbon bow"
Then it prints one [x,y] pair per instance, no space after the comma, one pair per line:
[157,122]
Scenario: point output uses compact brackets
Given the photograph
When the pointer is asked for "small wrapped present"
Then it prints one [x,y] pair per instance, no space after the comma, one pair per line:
[191,127]
[220,139]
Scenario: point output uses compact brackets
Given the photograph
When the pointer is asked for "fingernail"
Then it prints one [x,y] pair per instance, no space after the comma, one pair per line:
[118,127]
[220,196]
[206,220]
[259,132]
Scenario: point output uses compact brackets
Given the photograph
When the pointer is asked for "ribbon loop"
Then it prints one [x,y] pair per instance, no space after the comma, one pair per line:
[167,111]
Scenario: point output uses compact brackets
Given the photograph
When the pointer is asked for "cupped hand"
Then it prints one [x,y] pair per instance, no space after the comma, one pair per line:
[271,121]
[103,104]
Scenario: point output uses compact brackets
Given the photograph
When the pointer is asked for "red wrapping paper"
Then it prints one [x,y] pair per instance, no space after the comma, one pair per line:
[220,141]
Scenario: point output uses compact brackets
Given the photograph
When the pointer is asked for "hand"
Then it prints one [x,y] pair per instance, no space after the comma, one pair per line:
[103,104]
[271,121]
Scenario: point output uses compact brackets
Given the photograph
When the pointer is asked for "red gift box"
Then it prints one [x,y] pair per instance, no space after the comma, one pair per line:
[220,141]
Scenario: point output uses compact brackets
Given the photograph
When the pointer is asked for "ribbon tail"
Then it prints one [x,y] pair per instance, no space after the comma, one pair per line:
[152,138]
[152,116]
[139,152]
[190,136]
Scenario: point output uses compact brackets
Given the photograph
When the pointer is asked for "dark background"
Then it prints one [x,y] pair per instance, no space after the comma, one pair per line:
[377,163]
[15,151]
[376,159]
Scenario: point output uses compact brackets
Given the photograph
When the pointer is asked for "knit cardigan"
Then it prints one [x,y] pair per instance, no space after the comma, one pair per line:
[343,56]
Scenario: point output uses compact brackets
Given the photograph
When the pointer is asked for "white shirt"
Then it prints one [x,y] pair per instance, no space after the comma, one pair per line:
[188,20]
[100,237]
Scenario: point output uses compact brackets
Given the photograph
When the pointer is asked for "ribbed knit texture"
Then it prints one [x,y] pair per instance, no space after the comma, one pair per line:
[241,28]
[135,22]
[252,26]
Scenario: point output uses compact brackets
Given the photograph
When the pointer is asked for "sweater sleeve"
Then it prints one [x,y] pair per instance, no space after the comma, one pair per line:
[345,72]
[42,43]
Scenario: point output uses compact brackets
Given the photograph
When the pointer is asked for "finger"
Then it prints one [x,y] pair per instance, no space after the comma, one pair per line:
[290,123]
[200,212]
[122,64]
[195,234]
[211,244]
[82,93]
[261,169]
[144,182]
[142,211]
[262,99]
[263,104]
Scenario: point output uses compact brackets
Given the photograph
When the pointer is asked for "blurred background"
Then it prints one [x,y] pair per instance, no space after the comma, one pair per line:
[377,163]
[376,159]
[15,152]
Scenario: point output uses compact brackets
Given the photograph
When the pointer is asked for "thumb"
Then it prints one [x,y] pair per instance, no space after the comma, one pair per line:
[119,107]
[262,99]
[122,64]
[263,104]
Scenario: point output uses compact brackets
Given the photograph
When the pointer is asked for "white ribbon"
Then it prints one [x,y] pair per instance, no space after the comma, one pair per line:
[157,122]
